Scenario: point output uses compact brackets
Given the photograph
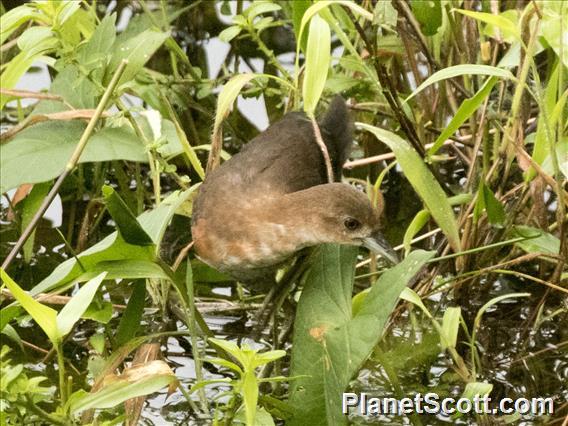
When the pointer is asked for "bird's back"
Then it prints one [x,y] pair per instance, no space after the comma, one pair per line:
[283,159]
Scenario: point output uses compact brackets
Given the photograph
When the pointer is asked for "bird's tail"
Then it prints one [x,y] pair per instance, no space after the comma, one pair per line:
[337,132]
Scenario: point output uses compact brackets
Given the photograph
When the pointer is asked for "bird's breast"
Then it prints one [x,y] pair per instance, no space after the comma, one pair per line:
[242,244]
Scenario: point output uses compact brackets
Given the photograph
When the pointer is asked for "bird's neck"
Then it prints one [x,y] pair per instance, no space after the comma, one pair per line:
[298,215]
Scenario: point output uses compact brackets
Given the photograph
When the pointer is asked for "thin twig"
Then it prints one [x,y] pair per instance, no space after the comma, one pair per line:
[68,168]
[323,149]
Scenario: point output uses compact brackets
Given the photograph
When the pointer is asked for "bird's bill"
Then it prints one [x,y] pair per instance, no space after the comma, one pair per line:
[378,244]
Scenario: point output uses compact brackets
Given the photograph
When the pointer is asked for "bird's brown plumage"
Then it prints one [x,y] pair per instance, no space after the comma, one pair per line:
[272,199]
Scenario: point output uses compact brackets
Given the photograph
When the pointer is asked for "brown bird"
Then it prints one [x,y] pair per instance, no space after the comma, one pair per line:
[272,199]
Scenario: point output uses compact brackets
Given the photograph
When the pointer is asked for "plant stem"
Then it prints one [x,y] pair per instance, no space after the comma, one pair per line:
[268,53]
[61,368]
[68,168]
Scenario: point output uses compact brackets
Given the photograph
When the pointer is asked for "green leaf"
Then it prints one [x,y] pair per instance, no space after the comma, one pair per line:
[493,207]
[542,144]
[229,33]
[227,97]
[450,327]
[33,36]
[114,248]
[131,269]
[420,219]
[134,382]
[476,388]
[299,7]
[260,7]
[538,241]
[137,51]
[30,206]
[385,14]
[130,320]
[43,315]
[99,310]
[464,112]
[40,153]
[15,69]
[422,181]
[411,296]
[428,14]
[95,52]
[13,19]
[504,24]
[555,16]
[74,309]
[318,59]
[462,69]
[330,344]
[126,222]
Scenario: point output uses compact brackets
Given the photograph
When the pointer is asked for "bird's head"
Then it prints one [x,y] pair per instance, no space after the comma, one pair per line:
[341,214]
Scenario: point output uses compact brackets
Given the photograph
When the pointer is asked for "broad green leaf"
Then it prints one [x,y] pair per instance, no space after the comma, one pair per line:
[130,320]
[554,28]
[133,382]
[8,313]
[33,36]
[330,344]
[43,315]
[538,241]
[299,7]
[317,7]
[266,357]
[229,33]
[95,52]
[224,363]
[494,31]
[30,205]
[137,51]
[72,311]
[157,220]
[227,97]
[450,327]
[262,418]
[99,310]
[476,388]
[493,207]
[545,121]
[411,296]
[385,14]
[463,69]
[131,269]
[40,153]
[562,157]
[465,111]
[260,7]
[318,59]
[14,18]
[428,14]
[422,181]
[15,69]
[113,248]
[230,347]
[505,25]
[126,222]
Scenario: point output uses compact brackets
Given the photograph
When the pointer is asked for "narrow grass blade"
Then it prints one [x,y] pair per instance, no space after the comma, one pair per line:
[422,181]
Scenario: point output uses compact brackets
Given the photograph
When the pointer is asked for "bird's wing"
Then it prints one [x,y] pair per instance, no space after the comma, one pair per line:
[286,157]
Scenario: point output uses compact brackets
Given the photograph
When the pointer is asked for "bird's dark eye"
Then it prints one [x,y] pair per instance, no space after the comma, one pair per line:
[351,224]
